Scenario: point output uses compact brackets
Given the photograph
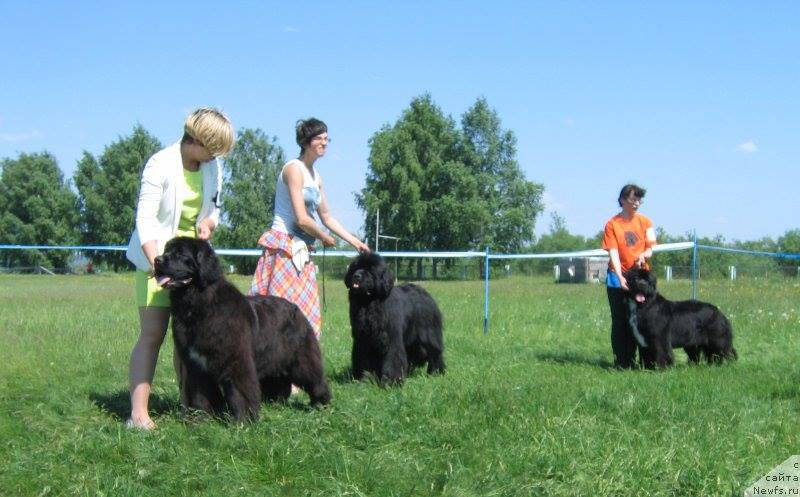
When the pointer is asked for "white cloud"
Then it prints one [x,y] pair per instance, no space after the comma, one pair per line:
[290,29]
[19,137]
[747,147]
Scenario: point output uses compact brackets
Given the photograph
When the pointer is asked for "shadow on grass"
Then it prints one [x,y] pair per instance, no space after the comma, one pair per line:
[572,358]
[342,376]
[119,406]
[119,403]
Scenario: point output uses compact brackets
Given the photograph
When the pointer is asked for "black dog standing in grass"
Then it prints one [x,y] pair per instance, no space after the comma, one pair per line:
[395,328]
[697,327]
[238,350]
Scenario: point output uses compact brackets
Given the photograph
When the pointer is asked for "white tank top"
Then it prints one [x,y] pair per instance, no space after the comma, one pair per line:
[285,220]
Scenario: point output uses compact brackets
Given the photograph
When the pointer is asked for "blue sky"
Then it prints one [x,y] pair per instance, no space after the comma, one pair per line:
[696,101]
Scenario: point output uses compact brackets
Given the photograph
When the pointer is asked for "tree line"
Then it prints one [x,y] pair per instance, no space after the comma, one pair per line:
[436,184]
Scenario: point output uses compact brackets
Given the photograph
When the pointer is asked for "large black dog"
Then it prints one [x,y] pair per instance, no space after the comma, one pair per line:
[697,327]
[395,328]
[237,350]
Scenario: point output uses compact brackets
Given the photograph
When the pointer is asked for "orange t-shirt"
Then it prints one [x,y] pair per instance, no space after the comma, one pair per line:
[628,237]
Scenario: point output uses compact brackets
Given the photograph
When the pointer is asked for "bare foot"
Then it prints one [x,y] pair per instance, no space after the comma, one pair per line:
[140,423]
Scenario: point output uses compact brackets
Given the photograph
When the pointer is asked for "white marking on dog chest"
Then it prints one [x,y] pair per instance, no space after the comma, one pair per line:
[198,359]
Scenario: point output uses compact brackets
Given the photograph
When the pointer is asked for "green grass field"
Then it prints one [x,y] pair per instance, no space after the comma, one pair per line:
[531,409]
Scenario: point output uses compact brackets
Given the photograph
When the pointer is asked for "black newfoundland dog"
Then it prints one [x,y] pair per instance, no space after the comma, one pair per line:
[697,327]
[395,328]
[237,350]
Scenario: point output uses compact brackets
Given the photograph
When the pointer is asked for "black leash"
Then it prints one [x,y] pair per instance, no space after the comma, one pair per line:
[324,302]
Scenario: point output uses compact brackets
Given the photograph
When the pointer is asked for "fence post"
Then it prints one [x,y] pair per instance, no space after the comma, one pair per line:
[694,265]
[486,294]
[732,270]
[668,273]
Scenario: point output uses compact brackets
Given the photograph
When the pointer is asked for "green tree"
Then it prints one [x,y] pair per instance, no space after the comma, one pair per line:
[108,189]
[713,263]
[425,193]
[248,199]
[440,188]
[596,241]
[789,243]
[513,202]
[679,260]
[559,239]
[36,208]
[754,265]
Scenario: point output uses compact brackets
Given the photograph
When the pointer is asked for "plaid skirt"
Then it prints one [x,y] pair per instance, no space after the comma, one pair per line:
[277,275]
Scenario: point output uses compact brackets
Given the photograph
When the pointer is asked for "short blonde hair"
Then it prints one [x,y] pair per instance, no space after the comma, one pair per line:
[212,128]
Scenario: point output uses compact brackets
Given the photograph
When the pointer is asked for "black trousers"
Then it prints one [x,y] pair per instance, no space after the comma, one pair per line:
[623,322]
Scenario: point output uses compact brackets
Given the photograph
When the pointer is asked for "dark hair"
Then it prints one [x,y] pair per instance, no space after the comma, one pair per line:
[307,129]
[637,190]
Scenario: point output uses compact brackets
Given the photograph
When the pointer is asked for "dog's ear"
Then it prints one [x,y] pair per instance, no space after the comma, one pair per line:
[629,275]
[208,269]
[651,277]
[385,281]
[168,247]
[348,278]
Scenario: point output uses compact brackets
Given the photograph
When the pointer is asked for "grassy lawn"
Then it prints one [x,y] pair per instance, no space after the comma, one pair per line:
[533,408]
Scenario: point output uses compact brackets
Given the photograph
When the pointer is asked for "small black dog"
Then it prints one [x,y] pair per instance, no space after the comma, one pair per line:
[697,327]
[395,328]
[236,349]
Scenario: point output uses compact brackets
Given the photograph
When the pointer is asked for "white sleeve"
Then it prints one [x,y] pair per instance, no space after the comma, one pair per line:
[216,197]
[150,192]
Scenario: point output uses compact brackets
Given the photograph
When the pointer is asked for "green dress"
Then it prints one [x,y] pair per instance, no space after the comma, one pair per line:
[148,293]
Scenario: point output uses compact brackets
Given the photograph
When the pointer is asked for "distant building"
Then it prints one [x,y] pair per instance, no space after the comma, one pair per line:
[581,270]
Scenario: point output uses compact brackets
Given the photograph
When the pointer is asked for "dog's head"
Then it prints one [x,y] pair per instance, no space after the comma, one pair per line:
[187,261]
[368,275]
[641,284]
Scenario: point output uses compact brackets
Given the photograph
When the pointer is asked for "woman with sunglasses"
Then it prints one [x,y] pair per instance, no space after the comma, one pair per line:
[629,238]
[285,269]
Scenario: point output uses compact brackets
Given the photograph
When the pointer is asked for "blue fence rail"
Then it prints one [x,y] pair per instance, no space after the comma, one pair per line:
[486,255]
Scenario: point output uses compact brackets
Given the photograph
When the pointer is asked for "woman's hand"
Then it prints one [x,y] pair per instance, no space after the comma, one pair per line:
[328,240]
[205,229]
[362,247]
[623,283]
[641,261]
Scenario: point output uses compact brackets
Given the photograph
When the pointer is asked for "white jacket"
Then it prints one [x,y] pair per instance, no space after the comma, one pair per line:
[158,210]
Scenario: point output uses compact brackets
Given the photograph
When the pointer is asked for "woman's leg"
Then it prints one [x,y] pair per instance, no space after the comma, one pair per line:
[153,323]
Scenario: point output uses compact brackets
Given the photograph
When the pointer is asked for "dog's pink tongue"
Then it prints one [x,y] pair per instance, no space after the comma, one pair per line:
[640,297]
[164,280]
[355,285]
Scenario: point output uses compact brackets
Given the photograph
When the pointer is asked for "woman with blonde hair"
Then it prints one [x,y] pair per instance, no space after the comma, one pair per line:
[179,196]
